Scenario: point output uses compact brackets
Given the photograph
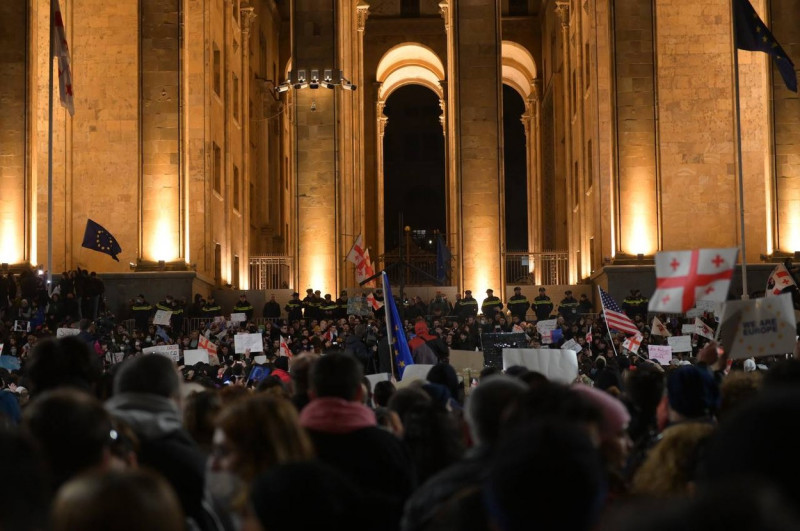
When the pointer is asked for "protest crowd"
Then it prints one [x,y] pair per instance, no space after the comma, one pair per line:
[194,416]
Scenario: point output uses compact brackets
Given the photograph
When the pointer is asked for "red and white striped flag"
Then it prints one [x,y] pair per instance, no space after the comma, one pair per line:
[285,351]
[61,52]
[615,317]
[685,276]
[779,280]
[658,328]
[632,344]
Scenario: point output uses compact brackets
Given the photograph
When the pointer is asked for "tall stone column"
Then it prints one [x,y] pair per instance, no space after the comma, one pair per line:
[247,15]
[381,130]
[314,47]
[562,8]
[478,131]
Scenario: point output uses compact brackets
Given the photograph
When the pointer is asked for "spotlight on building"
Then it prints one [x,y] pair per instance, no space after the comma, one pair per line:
[301,80]
[347,85]
[314,84]
[327,80]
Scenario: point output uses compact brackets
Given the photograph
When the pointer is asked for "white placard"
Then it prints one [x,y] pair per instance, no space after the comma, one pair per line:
[238,317]
[115,357]
[708,306]
[694,312]
[560,366]
[544,327]
[572,345]
[162,317]
[680,343]
[261,360]
[415,372]
[688,328]
[758,327]
[66,332]
[660,353]
[242,342]
[173,352]
[198,355]
[380,377]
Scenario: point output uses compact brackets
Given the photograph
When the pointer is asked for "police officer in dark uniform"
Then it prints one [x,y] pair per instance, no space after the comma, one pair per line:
[309,302]
[211,309]
[467,306]
[542,305]
[585,305]
[518,304]
[328,308]
[243,306]
[568,307]
[294,308]
[178,314]
[630,304]
[141,310]
[341,306]
[491,304]
[271,310]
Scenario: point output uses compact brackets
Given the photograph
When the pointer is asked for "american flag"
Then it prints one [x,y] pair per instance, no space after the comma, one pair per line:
[615,318]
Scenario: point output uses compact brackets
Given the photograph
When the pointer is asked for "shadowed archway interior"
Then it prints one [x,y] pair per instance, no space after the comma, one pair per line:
[516,174]
[414,166]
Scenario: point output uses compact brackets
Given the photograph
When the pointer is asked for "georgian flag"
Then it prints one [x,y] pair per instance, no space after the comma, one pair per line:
[359,256]
[779,280]
[375,303]
[685,276]
[702,329]
[284,350]
[658,329]
[61,52]
[633,343]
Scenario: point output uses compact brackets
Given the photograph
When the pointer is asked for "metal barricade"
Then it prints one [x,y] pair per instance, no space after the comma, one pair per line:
[271,272]
[539,268]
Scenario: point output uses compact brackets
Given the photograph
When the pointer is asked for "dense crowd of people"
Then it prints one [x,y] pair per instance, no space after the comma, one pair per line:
[97,434]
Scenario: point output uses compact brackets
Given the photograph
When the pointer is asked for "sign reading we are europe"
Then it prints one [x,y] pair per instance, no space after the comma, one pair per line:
[758,327]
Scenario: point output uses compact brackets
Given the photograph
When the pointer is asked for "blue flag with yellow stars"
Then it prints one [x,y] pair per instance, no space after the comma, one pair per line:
[752,34]
[99,239]
[399,343]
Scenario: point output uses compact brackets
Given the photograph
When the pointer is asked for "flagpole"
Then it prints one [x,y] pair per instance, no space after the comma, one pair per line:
[605,319]
[50,159]
[387,318]
[738,140]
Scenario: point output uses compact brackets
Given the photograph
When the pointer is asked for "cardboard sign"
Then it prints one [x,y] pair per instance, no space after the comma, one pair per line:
[162,317]
[238,317]
[358,306]
[680,343]
[758,327]
[560,366]
[572,345]
[466,360]
[66,332]
[242,342]
[660,353]
[544,327]
[173,352]
[198,355]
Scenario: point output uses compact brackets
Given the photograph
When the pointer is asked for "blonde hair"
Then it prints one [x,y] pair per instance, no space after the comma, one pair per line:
[669,468]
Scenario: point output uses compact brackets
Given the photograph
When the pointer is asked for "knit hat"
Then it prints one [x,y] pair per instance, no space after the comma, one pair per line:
[692,391]
[615,415]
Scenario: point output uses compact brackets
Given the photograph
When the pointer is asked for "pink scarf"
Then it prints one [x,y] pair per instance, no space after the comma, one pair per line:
[336,415]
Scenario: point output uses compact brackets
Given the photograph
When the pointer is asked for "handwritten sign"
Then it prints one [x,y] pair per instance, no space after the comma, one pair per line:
[758,327]
[680,343]
[173,352]
[162,317]
[660,353]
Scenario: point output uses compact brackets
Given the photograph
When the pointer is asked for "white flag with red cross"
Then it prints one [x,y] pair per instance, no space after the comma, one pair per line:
[374,303]
[702,329]
[685,276]
[285,351]
[633,343]
[658,328]
[779,280]
[61,52]
[359,256]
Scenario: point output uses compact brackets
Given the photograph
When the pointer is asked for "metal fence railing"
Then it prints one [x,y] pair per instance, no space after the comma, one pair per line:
[271,272]
[540,268]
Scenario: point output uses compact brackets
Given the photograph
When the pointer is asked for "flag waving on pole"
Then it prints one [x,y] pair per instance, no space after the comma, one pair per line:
[779,280]
[97,238]
[658,329]
[61,52]
[395,331]
[702,329]
[284,350]
[682,277]
[752,34]
[632,344]
[359,256]
[615,317]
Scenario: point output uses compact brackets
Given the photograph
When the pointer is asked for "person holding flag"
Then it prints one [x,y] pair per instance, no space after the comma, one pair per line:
[398,342]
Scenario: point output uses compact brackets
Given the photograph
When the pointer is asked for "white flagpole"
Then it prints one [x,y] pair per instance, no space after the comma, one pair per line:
[738,140]
[50,157]
[389,335]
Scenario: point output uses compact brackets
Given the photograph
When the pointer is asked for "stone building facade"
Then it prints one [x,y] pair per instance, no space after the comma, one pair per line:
[182,147]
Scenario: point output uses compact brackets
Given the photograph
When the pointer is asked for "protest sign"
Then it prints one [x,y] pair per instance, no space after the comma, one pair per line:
[66,332]
[192,356]
[572,345]
[415,372]
[22,326]
[375,378]
[758,327]
[358,306]
[173,352]
[115,357]
[688,328]
[560,366]
[660,353]
[238,317]
[260,359]
[546,326]
[162,317]
[242,342]
[10,363]
[680,343]
[494,343]
[466,360]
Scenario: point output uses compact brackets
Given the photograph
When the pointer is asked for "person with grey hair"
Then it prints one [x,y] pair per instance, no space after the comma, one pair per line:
[484,410]
[146,396]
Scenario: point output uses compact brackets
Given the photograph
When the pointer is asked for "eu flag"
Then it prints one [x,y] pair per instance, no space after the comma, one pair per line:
[752,34]
[99,239]
[443,258]
[399,343]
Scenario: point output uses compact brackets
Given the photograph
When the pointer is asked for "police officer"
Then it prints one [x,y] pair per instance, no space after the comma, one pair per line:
[585,305]
[341,305]
[211,309]
[328,308]
[294,308]
[542,305]
[141,310]
[271,310]
[178,313]
[518,304]
[630,304]
[309,304]
[243,306]
[467,306]
[165,305]
[568,307]
[491,304]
